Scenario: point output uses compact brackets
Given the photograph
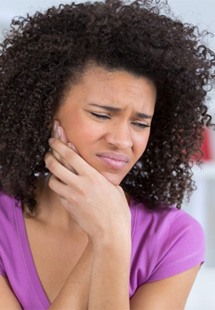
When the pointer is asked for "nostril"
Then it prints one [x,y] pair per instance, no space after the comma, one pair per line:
[121,142]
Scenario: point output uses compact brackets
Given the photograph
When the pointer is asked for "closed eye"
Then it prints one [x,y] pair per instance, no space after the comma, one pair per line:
[100,115]
[106,116]
[140,125]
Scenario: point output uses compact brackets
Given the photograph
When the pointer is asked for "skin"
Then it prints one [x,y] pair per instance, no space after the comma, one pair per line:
[93,128]
[100,131]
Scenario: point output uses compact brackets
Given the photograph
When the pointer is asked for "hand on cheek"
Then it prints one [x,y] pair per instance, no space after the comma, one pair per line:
[59,133]
[98,206]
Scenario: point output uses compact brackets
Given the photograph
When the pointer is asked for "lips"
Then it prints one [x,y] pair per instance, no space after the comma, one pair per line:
[114,160]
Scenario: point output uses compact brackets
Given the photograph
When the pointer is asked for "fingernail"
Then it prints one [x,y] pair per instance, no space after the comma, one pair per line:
[59,132]
[55,125]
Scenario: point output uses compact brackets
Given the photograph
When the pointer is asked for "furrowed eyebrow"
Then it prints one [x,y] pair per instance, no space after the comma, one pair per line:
[114,109]
[105,107]
[143,115]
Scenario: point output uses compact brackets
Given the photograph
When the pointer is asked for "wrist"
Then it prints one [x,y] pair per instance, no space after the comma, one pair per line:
[113,233]
[112,244]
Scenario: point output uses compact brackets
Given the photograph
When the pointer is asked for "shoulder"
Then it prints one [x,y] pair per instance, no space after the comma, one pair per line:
[6,208]
[9,209]
[162,222]
[10,212]
[6,216]
[162,219]
[165,242]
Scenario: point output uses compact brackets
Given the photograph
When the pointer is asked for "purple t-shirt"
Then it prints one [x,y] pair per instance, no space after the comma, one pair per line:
[165,242]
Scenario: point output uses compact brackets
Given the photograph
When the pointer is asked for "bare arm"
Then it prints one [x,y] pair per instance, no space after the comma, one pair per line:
[7,297]
[101,209]
[111,241]
[75,292]
[167,294]
[109,285]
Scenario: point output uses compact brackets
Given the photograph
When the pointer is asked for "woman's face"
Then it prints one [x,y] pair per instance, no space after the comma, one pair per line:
[107,117]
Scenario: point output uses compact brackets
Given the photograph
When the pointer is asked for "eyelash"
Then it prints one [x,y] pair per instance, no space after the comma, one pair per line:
[104,116]
[141,125]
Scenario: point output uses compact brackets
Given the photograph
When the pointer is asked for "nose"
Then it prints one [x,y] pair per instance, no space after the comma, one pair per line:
[119,136]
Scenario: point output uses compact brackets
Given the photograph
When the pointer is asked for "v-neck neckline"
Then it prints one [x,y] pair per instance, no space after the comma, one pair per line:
[28,258]
[27,254]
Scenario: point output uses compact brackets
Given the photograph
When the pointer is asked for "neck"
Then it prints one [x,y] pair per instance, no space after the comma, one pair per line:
[49,208]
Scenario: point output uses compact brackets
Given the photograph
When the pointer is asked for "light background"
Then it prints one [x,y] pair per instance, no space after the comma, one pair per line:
[202,205]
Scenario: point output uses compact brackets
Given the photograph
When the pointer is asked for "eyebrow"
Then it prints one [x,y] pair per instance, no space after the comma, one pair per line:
[114,109]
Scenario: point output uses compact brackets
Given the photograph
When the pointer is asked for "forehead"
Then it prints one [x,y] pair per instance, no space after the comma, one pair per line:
[114,78]
[113,87]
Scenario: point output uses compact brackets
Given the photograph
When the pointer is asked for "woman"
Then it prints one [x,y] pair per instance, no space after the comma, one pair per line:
[102,108]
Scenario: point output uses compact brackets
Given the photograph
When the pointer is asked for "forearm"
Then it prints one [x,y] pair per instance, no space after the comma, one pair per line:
[75,292]
[109,282]
[101,209]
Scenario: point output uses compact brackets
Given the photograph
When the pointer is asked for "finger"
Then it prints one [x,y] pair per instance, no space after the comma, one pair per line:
[57,186]
[61,172]
[62,134]
[71,157]
[55,134]
[64,191]
[59,133]
[66,195]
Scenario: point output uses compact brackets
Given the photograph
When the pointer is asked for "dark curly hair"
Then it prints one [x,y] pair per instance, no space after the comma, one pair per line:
[41,54]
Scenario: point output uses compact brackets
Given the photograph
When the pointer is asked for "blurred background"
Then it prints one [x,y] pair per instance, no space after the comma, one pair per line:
[202,203]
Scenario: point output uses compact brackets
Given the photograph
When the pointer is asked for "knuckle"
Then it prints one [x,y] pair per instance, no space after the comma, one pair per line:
[56,155]
[71,157]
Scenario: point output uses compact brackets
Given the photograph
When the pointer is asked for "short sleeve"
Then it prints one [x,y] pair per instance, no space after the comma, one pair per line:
[182,250]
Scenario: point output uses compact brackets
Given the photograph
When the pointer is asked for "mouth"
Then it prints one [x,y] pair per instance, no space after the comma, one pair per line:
[116,161]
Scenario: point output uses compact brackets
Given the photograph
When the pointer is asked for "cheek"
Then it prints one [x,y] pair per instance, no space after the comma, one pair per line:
[80,133]
[140,145]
